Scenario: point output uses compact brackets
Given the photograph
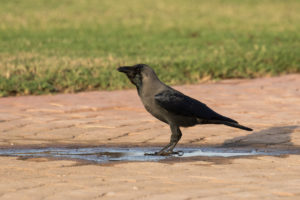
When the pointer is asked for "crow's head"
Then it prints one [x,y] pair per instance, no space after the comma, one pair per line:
[138,74]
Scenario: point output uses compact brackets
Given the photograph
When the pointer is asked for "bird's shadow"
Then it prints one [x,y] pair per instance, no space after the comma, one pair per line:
[276,139]
[273,136]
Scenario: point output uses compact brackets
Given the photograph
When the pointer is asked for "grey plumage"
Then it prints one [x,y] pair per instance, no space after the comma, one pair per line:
[171,106]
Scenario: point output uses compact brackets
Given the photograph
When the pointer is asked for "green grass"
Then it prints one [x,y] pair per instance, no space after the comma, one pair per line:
[49,46]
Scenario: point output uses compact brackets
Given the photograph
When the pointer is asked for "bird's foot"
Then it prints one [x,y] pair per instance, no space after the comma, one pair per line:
[165,153]
[179,153]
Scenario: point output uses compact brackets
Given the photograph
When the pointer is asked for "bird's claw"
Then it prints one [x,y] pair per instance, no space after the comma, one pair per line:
[165,153]
[179,153]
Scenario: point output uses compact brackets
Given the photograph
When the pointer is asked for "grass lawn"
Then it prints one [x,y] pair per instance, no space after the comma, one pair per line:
[49,46]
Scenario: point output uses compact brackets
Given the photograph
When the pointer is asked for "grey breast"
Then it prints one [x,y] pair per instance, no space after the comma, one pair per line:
[154,109]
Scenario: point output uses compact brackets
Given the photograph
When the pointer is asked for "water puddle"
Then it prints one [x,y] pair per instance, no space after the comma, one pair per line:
[110,154]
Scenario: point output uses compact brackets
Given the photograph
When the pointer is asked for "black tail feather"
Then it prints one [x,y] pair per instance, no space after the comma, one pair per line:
[236,125]
[228,123]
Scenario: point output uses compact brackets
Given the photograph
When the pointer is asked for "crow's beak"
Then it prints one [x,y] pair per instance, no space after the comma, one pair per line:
[126,69]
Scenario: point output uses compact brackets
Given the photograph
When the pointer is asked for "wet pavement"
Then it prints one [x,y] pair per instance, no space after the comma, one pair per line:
[110,154]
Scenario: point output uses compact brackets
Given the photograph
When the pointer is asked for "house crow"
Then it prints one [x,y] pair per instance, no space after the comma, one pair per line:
[172,106]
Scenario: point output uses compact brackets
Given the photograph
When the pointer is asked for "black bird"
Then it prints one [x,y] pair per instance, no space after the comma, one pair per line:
[171,106]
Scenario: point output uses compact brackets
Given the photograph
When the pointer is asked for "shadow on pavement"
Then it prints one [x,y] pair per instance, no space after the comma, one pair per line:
[279,135]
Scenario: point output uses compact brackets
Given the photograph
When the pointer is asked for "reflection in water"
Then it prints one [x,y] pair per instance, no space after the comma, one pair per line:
[109,154]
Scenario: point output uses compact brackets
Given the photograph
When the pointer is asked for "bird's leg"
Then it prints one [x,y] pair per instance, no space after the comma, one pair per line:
[175,137]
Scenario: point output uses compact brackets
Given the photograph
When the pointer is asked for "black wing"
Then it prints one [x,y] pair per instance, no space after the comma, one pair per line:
[180,104]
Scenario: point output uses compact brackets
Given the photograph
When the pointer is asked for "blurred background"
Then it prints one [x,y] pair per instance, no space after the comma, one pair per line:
[50,46]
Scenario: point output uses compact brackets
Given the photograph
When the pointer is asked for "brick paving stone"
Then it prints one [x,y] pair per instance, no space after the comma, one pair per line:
[118,117]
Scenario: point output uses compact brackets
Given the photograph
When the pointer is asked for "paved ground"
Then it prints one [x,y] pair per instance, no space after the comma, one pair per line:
[271,106]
